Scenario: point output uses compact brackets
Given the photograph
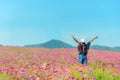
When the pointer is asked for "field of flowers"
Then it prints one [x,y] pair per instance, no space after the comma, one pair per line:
[19,63]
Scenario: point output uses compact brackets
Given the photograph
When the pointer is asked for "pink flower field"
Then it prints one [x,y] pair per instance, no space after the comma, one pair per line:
[19,63]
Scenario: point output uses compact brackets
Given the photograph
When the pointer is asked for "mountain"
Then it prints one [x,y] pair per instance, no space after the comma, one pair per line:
[51,44]
[59,44]
[98,47]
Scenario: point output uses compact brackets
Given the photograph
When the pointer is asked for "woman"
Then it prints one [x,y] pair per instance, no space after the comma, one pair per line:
[83,49]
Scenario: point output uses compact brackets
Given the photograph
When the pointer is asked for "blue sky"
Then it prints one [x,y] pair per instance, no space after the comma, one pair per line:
[36,21]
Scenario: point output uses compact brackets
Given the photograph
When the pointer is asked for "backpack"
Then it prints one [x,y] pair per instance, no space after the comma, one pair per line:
[83,48]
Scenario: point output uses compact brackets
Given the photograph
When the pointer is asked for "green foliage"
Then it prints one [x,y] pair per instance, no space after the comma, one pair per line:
[4,76]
